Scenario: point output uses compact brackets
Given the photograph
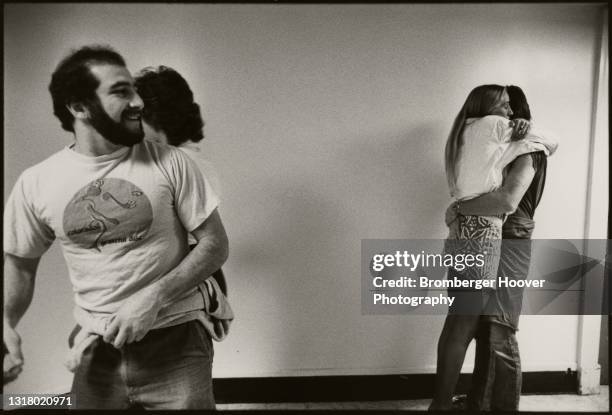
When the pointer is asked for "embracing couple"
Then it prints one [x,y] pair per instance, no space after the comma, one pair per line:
[495,162]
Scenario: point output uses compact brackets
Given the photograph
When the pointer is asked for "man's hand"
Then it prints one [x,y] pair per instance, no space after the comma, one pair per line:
[134,318]
[19,275]
[13,358]
[451,214]
[521,128]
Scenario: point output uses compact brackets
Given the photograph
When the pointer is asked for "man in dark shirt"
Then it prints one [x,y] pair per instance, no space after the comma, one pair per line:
[496,383]
[497,375]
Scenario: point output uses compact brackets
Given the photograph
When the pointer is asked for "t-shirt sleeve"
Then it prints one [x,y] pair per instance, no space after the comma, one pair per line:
[545,137]
[194,197]
[25,234]
[503,130]
[537,158]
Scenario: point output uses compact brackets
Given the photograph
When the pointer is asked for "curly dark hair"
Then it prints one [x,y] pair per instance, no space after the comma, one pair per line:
[168,104]
[73,82]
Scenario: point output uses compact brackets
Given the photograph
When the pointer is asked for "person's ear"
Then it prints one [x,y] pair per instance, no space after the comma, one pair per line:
[78,110]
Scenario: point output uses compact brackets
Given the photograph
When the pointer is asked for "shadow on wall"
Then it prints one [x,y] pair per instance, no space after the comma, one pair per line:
[306,252]
[404,174]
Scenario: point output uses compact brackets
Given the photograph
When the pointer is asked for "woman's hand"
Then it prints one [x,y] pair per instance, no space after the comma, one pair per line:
[521,128]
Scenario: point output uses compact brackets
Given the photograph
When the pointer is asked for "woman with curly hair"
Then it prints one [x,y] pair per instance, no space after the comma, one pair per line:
[171,116]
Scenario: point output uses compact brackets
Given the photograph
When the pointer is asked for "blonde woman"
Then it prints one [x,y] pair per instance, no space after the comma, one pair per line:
[482,143]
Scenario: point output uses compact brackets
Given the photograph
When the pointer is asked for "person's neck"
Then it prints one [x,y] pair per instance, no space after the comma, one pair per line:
[90,143]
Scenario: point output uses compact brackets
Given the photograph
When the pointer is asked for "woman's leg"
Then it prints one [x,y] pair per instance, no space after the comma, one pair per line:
[458,332]
[469,234]
[479,395]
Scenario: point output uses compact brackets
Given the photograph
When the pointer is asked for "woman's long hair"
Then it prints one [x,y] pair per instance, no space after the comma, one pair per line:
[479,103]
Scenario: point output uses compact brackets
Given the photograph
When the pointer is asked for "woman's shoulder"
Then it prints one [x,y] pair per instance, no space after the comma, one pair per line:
[490,127]
[488,120]
[494,120]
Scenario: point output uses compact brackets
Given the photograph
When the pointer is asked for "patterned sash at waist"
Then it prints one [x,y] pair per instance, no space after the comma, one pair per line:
[476,235]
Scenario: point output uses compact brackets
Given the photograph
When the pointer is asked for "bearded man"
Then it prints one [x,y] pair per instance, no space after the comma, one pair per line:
[121,208]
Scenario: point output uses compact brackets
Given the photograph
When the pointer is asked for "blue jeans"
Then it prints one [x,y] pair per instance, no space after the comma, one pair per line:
[170,368]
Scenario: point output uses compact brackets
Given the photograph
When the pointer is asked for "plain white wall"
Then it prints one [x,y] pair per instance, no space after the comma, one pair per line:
[327,125]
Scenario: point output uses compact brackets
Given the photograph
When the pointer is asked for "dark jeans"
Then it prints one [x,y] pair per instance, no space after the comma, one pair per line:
[504,307]
[170,368]
[497,377]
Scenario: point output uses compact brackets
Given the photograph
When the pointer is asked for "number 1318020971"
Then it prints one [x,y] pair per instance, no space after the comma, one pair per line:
[37,401]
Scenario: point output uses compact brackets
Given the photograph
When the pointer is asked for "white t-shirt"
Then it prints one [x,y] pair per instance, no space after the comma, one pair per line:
[488,148]
[194,151]
[121,218]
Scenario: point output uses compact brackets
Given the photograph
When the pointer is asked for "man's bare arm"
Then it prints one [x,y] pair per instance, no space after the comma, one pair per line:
[136,316]
[205,258]
[504,200]
[19,277]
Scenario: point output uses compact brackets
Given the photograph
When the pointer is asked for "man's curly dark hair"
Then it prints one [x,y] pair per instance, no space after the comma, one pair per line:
[72,81]
[168,104]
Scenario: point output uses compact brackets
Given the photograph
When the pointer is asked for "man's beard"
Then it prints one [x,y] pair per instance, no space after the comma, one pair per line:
[113,131]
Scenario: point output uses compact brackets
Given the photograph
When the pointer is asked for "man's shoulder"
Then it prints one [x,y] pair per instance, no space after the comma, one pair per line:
[46,167]
[191,149]
[161,151]
[171,161]
[195,153]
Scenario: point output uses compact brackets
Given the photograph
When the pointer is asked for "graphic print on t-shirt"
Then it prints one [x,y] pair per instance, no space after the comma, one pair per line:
[107,211]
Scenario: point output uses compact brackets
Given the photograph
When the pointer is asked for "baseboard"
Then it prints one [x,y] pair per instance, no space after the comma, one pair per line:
[367,388]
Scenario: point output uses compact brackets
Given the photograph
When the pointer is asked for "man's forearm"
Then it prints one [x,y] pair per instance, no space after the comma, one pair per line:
[198,265]
[203,260]
[506,198]
[19,277]
[136,316]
